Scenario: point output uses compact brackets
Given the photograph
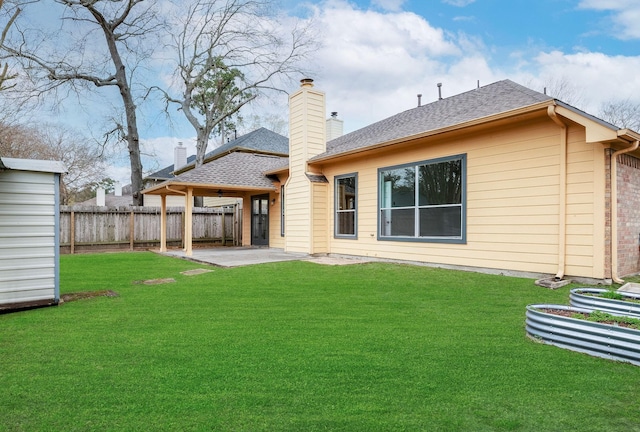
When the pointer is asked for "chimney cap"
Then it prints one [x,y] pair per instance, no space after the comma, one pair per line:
[306,82]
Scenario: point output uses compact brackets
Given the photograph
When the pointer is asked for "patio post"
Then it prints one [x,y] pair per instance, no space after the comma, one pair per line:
[188,223]
[163,223]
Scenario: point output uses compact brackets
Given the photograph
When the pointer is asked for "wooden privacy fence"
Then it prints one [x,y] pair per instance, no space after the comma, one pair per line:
[90,228]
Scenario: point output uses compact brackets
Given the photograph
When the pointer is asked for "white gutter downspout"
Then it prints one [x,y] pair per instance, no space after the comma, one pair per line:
[614,210]
[562,219]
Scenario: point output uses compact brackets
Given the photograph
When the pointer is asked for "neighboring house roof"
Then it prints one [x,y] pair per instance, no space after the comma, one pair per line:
[259,141]
[486,101]
[110,200]
[167,172]
[230,171]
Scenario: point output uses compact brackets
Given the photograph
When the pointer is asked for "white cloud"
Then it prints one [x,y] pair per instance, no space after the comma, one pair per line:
[389,5]
[374,64]
[458,3]
[598,77]
[625,16]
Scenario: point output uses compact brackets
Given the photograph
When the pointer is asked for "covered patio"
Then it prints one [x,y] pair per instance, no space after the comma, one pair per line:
[224,177]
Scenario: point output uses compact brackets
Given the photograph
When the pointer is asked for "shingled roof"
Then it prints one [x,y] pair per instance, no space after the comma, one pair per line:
[258,141]
[238,169]
[486,101]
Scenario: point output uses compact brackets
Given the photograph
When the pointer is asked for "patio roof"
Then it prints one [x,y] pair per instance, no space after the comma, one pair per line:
[236,171]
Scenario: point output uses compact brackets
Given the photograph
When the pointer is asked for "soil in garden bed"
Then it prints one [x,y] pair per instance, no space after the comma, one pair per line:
[585,316]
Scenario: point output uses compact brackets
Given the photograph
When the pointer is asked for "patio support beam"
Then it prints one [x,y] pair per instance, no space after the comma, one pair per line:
[163,223]
[188,222]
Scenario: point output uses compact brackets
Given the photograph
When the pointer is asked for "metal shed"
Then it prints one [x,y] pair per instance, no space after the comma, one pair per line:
[29,232]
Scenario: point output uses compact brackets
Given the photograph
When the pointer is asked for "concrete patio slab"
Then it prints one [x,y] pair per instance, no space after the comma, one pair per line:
[237,256]
[242,256]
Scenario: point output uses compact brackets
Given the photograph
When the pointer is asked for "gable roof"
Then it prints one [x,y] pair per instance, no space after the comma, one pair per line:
[261,140]
[228,171]
[492,99]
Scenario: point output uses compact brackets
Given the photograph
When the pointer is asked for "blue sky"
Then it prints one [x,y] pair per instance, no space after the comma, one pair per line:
[377,55]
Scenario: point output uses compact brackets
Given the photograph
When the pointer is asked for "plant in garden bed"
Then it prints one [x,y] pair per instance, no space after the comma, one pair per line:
[607,318]
[614,295]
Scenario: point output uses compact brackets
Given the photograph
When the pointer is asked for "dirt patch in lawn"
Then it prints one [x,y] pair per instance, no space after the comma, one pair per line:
[154,281]
[87,294]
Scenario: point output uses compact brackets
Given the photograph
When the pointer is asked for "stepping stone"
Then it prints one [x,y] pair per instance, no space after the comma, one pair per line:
[195,272]
[630,287]
[158,281]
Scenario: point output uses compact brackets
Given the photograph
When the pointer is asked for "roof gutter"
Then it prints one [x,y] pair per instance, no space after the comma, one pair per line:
[614,205]
[562,219]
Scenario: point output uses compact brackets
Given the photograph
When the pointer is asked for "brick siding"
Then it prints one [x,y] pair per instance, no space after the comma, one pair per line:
[628,214]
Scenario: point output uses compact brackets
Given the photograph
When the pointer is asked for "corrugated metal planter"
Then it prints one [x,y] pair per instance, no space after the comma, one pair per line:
[597,339]
[591,298]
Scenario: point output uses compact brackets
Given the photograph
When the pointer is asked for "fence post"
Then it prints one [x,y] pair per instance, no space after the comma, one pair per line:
[224,219]
[72,232]
[131,230]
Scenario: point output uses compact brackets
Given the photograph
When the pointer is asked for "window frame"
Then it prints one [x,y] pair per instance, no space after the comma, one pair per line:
[462,239]
[337,212]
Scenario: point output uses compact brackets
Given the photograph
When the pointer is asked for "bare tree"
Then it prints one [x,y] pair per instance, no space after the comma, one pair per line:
[82,59]
[623,113]
[227,54]
[561,87]
[4,68]
[85,165]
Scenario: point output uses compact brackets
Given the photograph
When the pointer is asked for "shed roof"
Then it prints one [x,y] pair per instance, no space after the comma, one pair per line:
[32,165]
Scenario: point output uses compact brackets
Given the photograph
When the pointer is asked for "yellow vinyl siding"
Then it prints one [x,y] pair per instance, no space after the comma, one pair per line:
[275,210]
[298,216]
[512,200]
[306,139]
[320,223]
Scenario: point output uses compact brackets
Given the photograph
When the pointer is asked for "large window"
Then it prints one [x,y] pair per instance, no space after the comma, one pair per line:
[424,201]
[346,188]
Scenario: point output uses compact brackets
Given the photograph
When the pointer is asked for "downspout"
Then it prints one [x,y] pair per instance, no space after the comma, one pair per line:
[562,219]
[614,210]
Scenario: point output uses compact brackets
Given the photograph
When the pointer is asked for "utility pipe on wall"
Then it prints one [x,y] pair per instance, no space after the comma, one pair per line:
[562,219]
[614,210]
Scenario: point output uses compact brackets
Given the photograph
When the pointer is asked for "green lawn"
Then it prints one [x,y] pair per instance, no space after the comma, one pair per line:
[297,346]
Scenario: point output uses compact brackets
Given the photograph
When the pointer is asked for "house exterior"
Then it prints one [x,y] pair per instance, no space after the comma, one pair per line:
[29,232]
[500,177]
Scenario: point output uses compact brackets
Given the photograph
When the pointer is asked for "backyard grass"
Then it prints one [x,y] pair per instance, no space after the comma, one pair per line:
[298,346]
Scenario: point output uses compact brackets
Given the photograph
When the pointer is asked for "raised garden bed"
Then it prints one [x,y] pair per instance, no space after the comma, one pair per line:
[605,300]
[555,325]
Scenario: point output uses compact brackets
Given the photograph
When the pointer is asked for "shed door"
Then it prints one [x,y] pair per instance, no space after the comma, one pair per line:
[260,220]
